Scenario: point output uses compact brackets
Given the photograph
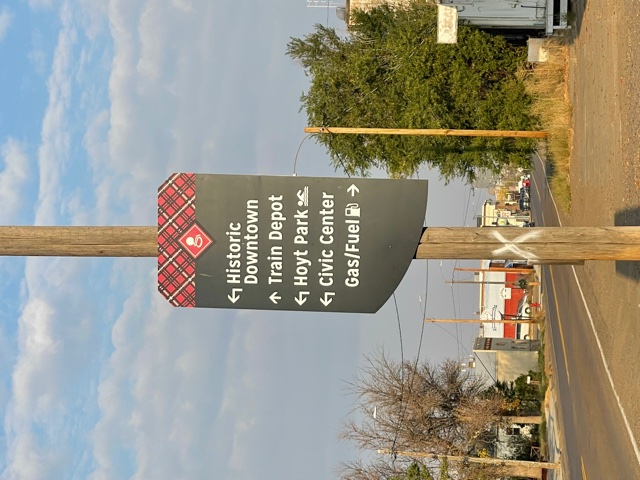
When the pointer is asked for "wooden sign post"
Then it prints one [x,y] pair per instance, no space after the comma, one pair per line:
[79,241]
[538,245]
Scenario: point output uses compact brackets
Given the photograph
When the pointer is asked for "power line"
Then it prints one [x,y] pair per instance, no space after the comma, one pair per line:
[486,369]
[401,418]
[328,8]
[295,159]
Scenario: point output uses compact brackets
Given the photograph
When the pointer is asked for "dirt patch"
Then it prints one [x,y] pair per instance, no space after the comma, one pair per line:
[605,175]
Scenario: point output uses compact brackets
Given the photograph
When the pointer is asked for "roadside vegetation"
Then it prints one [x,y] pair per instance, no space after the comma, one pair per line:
[547,82]
[544,367]
[422,419]
[390,72]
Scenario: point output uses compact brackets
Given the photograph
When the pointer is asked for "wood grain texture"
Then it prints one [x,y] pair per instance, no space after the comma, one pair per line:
[79,241]
[535,244]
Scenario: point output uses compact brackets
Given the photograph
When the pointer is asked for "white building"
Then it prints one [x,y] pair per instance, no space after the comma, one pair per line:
[501,15]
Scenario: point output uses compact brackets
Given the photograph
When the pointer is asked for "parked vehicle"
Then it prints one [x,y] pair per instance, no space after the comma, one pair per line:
[525,181]
[524,308]
[524,313]
[524,203]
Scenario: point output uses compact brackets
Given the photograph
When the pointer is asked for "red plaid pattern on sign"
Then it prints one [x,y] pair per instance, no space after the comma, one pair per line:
[176,214]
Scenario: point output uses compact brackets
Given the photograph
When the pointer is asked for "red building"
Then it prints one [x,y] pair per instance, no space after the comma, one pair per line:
[500,298]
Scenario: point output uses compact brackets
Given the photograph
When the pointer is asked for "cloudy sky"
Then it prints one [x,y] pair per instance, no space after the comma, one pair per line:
[100,100]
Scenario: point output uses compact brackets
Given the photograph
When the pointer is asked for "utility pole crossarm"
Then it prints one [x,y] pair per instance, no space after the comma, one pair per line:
[29,241]
[537,245]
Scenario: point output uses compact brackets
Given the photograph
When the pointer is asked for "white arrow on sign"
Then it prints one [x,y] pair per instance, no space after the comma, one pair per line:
[301,298]
[353,190]
[274,297]
[326,300]
[233,297]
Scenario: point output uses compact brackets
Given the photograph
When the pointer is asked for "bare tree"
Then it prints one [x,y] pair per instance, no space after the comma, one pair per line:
[409,406]
[400,468]
[378,469]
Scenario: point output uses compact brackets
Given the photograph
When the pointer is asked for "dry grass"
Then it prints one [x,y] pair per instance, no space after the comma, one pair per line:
[547,83]
[544,390]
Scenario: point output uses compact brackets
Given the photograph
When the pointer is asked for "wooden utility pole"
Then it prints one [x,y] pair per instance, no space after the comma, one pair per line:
[79,241]
[539,245]
[511,284]
[428,132]
[516,468]
[475,320]
[509,420]
[523,271]
[522,420]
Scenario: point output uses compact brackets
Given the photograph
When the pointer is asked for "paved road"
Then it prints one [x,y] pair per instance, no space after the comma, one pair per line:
[596,439]
[604,90]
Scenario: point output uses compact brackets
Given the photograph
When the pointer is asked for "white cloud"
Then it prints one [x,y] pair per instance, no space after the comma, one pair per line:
[6,19]
[7,359]
[172,77]
[14,176]
[158,393]
[41,4]
[37,55]
[155,70]
[57,330]
[92,16]
[199,394]
[177,92]
[183,393]
[54,150]
[38,59]
[184,5]
[58,337]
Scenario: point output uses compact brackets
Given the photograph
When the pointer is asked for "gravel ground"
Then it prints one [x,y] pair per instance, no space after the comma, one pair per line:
[605,175]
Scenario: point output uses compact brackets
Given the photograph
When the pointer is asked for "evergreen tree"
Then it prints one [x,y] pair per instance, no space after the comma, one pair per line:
[389,72]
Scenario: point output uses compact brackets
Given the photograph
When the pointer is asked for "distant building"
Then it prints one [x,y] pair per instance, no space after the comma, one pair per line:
[485,179]
[502,16]
[502,214]
[504,359]
[485,344]
[500,302]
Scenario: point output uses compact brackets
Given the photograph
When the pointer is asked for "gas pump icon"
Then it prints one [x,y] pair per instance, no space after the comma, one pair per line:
[352,210]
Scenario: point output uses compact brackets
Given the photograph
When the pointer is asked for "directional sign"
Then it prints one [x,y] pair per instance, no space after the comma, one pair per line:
[286,243]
